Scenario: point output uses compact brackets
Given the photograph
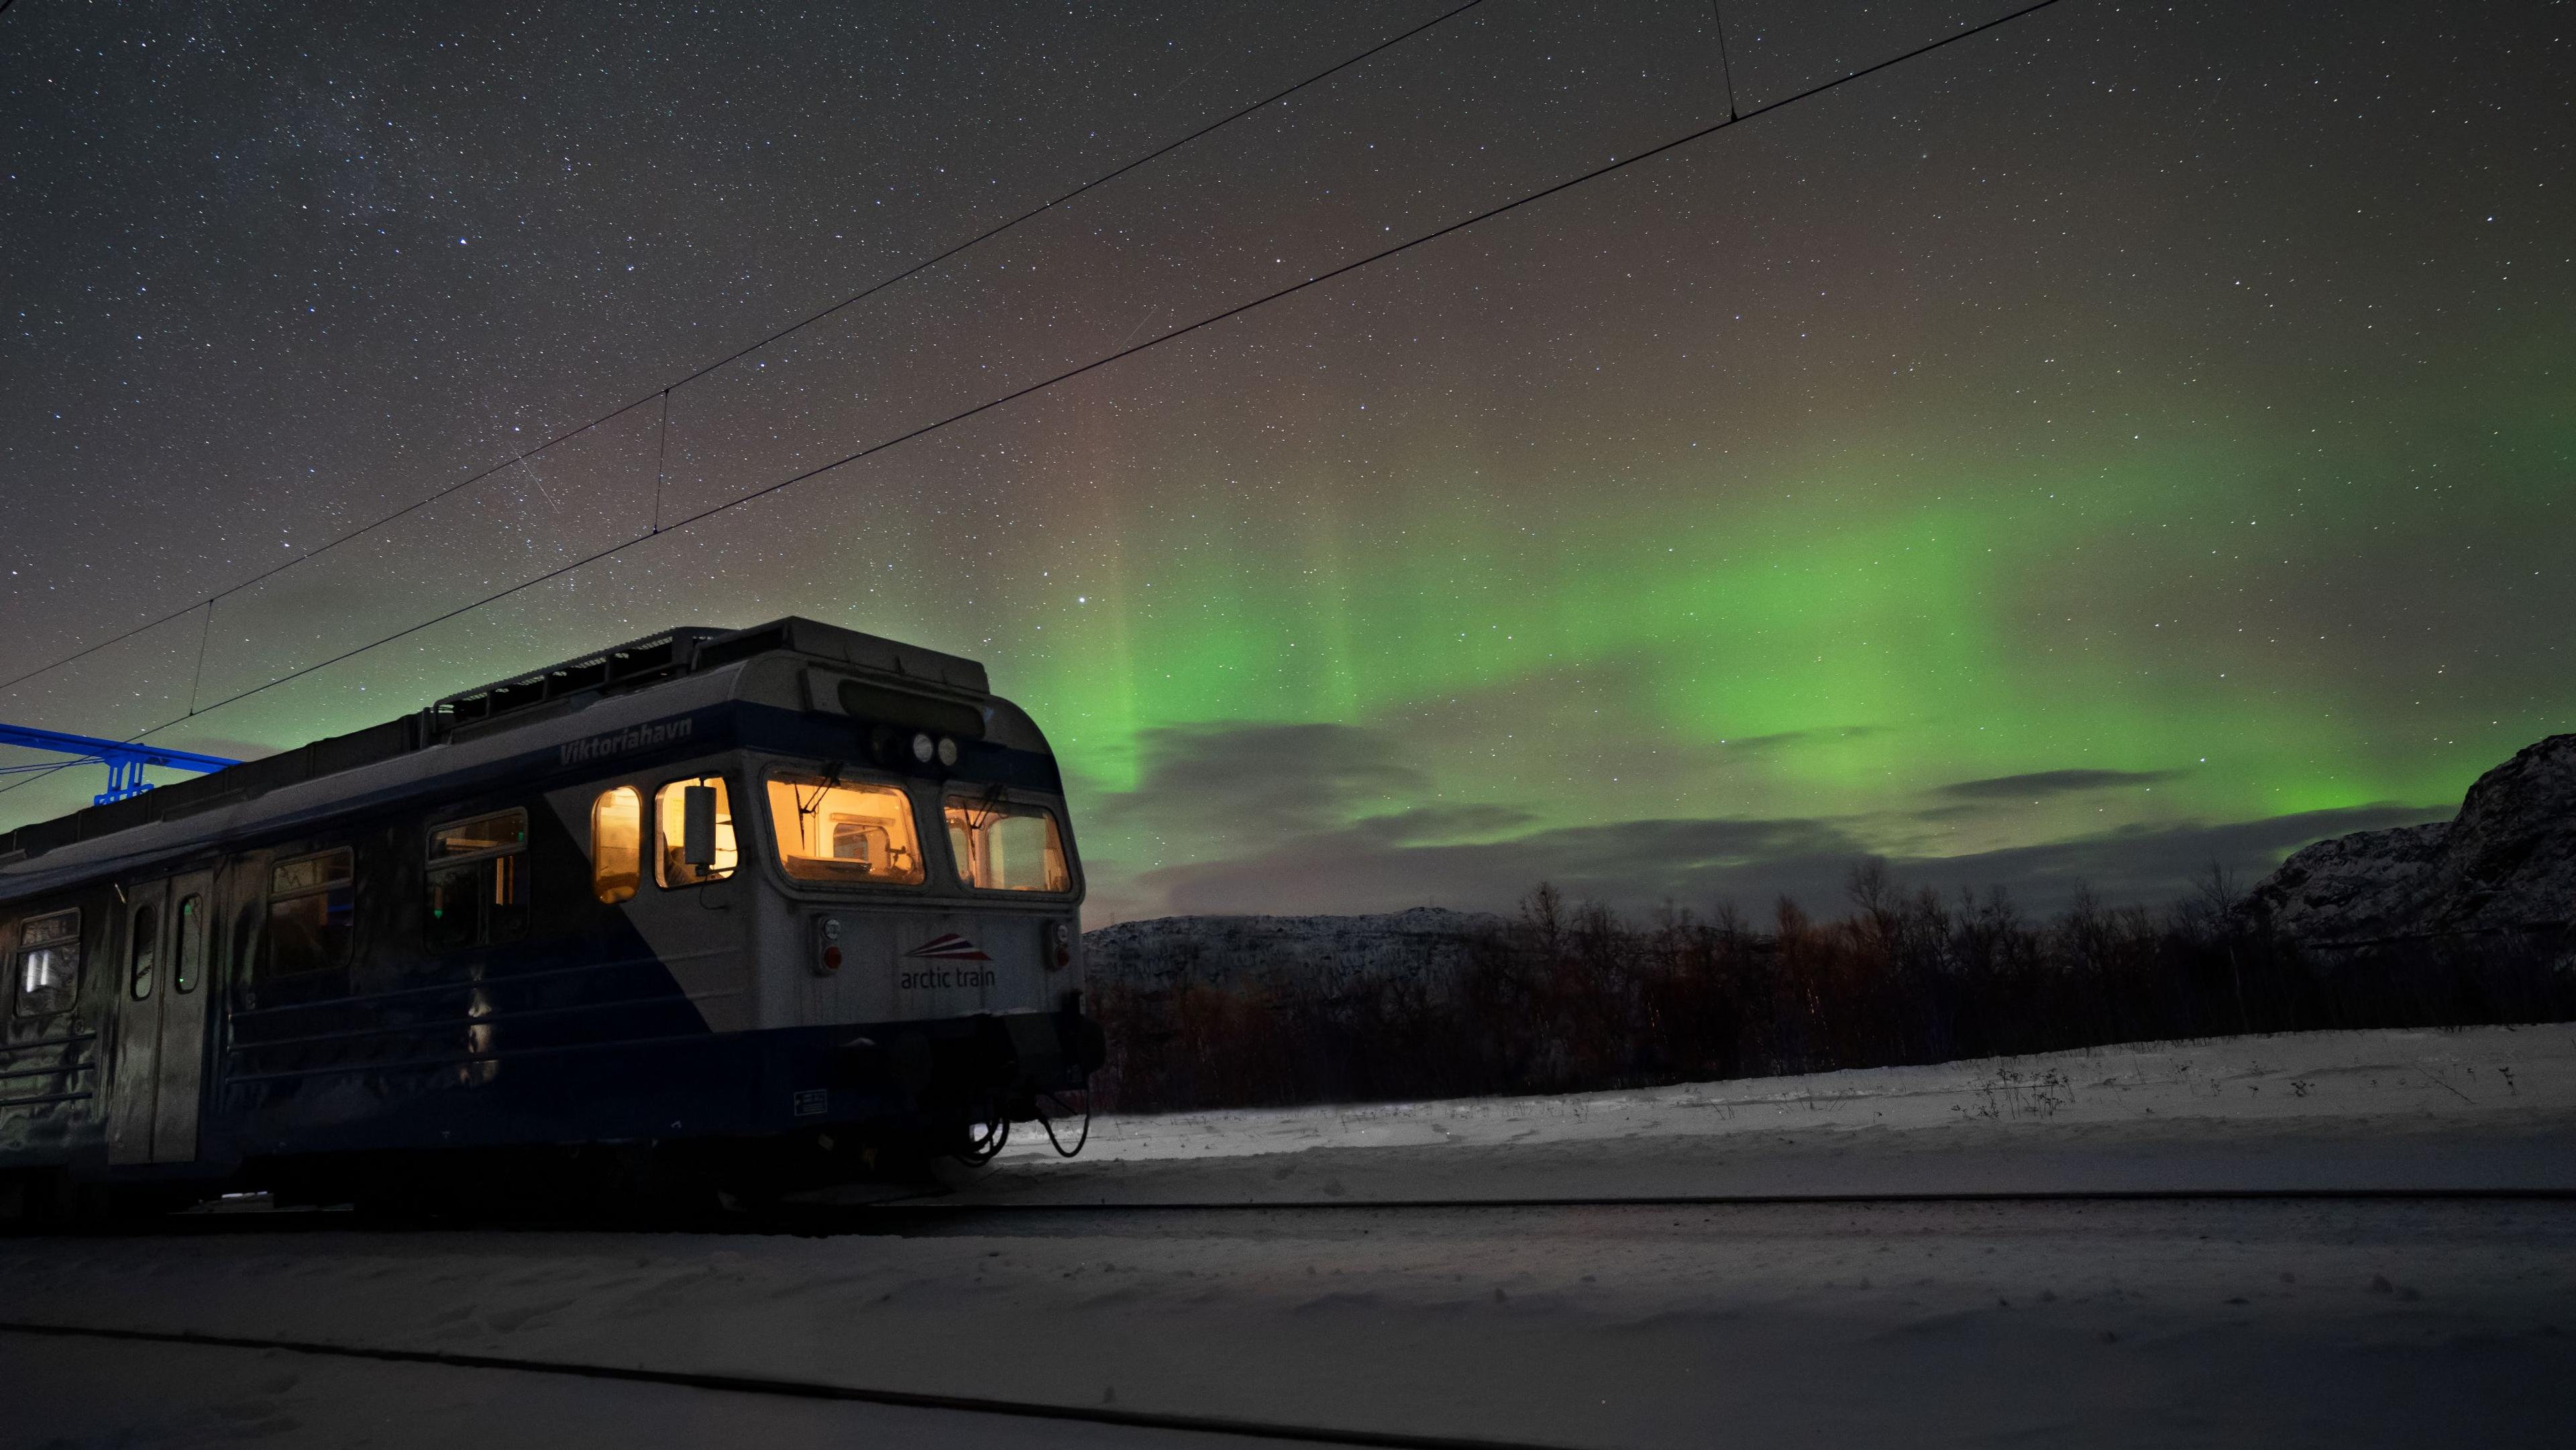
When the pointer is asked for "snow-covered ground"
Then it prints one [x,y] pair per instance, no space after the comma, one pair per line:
[2489,1107]
[2466,1075]
[2264,1322]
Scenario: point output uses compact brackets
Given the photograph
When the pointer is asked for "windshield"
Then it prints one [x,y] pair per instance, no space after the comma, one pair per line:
[1004,846]
[830,831]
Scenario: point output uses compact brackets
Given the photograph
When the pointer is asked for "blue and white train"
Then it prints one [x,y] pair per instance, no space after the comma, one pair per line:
[751,909]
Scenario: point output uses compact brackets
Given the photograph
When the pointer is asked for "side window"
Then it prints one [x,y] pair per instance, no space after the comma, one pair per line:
[617,844]
[999,846]
[478,880]
[191,946]
[670,821]
[312,910]
[143,946]
[47,964]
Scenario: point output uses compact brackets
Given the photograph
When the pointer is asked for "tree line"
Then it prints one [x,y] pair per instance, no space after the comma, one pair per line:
[1573,997]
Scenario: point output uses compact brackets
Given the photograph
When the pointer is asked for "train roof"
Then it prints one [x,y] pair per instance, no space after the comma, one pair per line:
[678,668]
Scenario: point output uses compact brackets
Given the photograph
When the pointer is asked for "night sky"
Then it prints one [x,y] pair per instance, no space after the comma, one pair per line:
[2136,436]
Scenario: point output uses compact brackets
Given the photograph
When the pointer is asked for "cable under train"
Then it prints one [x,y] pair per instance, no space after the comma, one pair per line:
[746,910]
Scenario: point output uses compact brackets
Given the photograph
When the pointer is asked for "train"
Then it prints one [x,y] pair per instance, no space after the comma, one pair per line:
[715,911]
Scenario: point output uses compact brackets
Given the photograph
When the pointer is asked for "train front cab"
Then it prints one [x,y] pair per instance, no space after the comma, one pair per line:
[901,947]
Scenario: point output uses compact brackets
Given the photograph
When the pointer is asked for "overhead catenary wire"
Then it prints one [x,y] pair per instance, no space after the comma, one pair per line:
[1223,315]
[1725,63]
[205,636]
[737,355]
[661,461]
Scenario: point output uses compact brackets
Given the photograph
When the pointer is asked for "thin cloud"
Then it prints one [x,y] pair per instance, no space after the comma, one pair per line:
[1237,777]
[1319,818]
[2052,782]
[1764,744]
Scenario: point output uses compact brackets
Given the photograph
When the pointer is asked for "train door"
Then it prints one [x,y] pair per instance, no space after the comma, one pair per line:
[159,976]
[238,906]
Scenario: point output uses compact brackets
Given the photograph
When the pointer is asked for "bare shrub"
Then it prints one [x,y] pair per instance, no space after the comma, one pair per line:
[1569,997]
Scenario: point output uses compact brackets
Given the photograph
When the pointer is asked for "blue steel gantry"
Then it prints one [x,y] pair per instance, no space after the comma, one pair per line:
[123,758]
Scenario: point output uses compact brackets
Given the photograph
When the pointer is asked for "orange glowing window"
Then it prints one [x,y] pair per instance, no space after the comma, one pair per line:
[829,831]
[1001,846]
[670,810]
[616,844]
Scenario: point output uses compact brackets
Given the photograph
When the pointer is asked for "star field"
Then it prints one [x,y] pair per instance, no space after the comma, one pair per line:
[2136,436]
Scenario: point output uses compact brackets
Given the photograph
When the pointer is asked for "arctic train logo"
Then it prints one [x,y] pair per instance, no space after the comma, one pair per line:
[949,948]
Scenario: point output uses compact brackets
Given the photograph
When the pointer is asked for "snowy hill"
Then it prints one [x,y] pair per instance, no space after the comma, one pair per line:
[2506,864]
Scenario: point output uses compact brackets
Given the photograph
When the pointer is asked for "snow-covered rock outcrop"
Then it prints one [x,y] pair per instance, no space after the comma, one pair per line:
[2507,863]
[1308,953]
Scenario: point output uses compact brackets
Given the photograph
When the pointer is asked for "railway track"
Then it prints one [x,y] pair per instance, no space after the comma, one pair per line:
[1716,1200]
[909,1215]
[1212,1425]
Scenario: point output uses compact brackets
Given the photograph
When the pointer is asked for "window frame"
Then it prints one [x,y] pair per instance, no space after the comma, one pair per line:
[190,911]
[1054,810]
[429,849]
[142,948]
[20,948]
[868,780]
[481,863]
[733,813]
[267,966]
